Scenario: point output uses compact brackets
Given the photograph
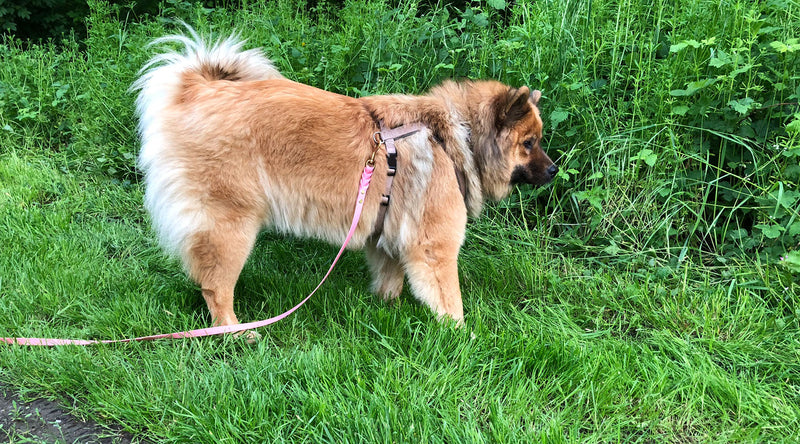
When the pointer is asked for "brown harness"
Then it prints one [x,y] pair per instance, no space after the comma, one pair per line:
[386,136]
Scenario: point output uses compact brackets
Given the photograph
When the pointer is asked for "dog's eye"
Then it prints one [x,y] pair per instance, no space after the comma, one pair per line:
[528,144]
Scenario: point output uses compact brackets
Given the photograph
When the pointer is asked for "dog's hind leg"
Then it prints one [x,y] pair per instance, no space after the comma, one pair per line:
[215,259]
[387,273]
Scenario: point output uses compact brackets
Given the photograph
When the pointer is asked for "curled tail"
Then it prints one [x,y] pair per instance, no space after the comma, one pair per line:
[161,77]
[160,83]
[223,59]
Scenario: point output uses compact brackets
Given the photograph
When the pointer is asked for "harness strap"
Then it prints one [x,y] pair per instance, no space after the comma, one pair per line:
[461,178]
[387,138]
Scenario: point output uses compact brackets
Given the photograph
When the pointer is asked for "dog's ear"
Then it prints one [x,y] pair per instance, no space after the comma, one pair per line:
[513,106]
[535,96]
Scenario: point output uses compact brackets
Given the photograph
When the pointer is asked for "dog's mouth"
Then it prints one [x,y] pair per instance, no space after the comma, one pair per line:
[523,174]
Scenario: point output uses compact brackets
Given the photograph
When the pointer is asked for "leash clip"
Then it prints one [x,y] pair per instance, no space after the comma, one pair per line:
[376,137]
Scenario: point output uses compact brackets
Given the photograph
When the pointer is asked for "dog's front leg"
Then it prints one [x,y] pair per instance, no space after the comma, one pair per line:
[431,262]
[433,275]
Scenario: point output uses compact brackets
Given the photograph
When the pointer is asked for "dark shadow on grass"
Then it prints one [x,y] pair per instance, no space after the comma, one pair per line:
[45,421]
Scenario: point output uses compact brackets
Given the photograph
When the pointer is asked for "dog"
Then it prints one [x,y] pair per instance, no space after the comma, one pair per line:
[229,146]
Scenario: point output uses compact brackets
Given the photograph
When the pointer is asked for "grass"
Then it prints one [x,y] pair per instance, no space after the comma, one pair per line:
[640,298]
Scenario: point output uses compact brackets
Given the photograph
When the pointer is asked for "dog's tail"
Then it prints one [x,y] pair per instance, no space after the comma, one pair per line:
[162,80]
[222,60]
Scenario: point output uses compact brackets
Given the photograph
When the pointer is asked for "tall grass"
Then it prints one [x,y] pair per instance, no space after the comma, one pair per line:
[648,295]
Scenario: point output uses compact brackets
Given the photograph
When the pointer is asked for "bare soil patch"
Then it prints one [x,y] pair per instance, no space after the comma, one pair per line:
[43,421]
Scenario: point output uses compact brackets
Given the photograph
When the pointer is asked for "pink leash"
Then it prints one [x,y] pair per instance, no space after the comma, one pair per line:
[366,177]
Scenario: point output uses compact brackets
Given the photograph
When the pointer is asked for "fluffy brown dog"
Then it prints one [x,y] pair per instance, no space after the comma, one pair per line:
[229,146]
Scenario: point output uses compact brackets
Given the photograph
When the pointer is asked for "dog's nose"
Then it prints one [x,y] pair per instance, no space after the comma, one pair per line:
[553,170]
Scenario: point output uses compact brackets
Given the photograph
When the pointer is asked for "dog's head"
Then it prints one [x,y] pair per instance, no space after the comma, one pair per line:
[521,118]
[508,143]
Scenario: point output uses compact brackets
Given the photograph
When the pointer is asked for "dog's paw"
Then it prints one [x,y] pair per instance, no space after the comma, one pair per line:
[249,336]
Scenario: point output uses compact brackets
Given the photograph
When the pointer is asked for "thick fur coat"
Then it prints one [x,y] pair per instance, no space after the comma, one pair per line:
[230,146]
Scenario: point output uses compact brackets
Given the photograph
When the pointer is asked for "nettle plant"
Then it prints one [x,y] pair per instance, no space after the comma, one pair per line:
[739,102]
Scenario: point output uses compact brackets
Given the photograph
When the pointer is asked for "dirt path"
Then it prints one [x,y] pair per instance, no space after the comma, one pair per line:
[43,421]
